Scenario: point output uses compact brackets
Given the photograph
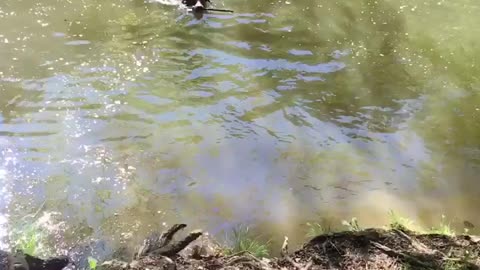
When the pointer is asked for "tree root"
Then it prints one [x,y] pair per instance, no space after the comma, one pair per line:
[163,246]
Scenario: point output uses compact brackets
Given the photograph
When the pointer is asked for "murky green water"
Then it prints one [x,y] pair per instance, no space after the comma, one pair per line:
[122,115]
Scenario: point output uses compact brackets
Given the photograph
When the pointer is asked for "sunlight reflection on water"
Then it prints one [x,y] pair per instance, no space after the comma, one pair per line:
[272,115]
[3,206]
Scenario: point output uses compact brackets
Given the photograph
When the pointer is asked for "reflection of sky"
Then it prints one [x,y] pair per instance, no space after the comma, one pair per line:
[249,174]
[226,59]
[257,183]
[248,169]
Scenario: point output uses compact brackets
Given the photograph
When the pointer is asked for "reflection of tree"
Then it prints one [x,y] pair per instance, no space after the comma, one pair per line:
[450,118]
[452,111]
[375,81]
[388,63]
[374,76]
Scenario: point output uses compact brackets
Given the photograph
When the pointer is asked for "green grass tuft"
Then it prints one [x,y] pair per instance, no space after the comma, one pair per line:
[92,263]
[444,228]
[455,265]
[316,229]
[242,241]
[30,238]
[352,225]
[399,222]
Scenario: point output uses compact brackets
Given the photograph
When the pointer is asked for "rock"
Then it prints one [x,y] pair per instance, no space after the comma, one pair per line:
[17,261]
[55,263]
[20,261]
[134,264]
[155,262]
[204,246]
[168,264]
[92,248]
[5,260]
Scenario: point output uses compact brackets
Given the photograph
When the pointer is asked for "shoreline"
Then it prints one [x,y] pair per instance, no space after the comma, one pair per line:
[372,248]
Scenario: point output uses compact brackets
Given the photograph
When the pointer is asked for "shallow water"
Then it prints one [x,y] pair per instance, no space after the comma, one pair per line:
[123,116]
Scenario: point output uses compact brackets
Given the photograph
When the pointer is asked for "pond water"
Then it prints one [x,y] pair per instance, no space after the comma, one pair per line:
[121,117]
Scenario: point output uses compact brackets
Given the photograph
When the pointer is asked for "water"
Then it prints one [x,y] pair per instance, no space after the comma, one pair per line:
[120,117]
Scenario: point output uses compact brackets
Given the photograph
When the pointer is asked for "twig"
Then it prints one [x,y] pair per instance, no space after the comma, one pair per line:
[39,209]
[236,254]
[299,266]
[247,253]
[34,215]
[296,265]
[402,255]
[200,9]
[334,246]
[284,250]
[419,245]
[308,265]
[234,258]
[237,260]
[425,249]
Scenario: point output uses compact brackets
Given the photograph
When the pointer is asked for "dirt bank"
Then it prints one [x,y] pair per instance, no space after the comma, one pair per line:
[365,249]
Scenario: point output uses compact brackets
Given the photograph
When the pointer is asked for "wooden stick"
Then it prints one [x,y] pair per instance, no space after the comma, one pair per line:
[219,10]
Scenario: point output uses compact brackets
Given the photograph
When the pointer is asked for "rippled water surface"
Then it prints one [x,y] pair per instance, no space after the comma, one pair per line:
[117,117]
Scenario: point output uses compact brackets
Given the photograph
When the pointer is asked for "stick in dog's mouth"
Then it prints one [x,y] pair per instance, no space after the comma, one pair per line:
[219,10]
[201,9]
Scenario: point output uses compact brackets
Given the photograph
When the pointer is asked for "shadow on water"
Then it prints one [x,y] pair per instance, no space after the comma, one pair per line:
[271,116]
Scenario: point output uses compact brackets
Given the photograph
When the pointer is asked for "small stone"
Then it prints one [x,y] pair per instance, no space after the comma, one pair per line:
[168,264]
[114,265]
[134,264]
[475,239]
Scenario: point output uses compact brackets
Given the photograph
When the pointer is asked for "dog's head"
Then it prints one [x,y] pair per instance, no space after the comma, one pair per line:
[196,4]
[198,7]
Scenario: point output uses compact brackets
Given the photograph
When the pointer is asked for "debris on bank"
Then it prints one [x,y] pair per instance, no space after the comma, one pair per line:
[364,249]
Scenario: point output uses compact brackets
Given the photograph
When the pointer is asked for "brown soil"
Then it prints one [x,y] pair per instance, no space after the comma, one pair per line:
[367,249]
[395,249]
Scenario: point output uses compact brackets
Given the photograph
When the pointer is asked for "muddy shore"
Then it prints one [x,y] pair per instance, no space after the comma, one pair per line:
[364,249]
